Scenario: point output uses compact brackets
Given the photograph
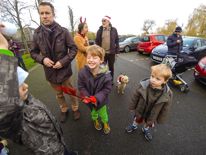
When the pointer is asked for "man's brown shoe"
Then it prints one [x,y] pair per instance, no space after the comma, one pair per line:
[63,117]
[76,114]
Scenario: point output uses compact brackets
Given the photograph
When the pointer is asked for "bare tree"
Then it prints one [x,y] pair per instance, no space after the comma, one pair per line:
[12,10]
[197,22]
[168,28]
[148,24]
[72,22]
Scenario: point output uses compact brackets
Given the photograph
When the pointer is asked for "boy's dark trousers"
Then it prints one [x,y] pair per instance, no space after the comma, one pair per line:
[110,58]
[21,62]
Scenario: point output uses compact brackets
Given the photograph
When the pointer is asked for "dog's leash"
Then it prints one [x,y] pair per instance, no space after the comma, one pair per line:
[116,62]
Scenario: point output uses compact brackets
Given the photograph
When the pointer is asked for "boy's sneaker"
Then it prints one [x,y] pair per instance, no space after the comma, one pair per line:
[147,134]
[131,128]
[97,125]
[106,128]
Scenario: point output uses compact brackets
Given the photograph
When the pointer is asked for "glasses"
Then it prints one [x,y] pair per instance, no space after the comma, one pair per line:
[104,21]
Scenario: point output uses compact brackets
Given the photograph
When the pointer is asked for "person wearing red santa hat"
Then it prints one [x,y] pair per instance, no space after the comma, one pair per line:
[107,38]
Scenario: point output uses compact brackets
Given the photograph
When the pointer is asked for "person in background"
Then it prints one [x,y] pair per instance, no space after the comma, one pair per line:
[175,42]
[82,43]
[107,38]
[14,47]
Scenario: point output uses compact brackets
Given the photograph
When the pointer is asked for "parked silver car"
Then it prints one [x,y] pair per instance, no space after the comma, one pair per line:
[128,44]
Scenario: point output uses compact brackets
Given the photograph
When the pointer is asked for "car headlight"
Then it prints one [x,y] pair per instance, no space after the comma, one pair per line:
[202,65]
[121,46]
[152,51]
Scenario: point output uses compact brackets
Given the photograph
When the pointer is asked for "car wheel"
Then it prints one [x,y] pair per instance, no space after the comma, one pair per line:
[127,49]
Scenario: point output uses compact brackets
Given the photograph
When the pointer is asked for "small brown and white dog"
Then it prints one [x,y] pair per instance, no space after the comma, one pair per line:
[122,82]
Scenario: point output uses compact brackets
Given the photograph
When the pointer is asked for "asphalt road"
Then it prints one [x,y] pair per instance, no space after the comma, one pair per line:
[183,133]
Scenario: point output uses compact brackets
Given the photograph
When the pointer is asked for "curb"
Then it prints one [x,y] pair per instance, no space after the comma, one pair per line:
[34,68]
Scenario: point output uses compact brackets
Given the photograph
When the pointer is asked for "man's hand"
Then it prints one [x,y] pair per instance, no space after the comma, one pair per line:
[117,55]
[14,46]
[58,65]
[47,62]
[5,142]
[178,41]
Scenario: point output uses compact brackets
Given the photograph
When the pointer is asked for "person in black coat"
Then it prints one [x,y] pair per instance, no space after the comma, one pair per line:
[175,42]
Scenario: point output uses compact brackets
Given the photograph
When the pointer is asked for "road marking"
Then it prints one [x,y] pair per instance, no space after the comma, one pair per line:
[136,59]
[33,68]
[131,60]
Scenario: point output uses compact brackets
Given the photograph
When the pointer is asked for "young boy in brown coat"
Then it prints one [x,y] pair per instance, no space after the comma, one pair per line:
[152,100]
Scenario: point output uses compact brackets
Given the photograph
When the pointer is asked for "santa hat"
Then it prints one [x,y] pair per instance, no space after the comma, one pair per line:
[22,75]
[107,18]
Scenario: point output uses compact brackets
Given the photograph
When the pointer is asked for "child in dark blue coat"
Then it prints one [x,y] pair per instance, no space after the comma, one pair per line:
[95,80]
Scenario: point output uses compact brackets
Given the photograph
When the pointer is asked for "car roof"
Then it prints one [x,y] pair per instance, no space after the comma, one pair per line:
[192,37]
[154,35]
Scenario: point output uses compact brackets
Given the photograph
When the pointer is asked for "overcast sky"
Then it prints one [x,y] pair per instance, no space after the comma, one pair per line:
[128,15]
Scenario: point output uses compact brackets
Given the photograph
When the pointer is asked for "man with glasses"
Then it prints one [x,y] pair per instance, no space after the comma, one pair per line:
[107,38]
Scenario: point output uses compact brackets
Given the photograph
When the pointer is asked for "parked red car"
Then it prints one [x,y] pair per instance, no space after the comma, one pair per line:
[149,41]
[200,71]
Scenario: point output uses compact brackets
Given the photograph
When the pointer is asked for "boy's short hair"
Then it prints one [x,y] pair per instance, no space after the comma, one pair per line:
[162,70]
[49,4]
[96,50]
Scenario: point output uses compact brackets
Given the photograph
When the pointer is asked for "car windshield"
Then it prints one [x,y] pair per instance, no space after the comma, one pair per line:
[128,39]
[187,42]
[144,38]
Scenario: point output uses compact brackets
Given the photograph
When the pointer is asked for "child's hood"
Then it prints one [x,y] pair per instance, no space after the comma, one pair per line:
[146,82]
[103,68]
[8,80]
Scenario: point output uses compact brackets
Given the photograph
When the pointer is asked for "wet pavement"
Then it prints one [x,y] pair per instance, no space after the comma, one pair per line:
[183,133]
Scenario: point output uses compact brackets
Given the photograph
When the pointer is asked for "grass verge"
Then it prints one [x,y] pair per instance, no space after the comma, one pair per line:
[28,61]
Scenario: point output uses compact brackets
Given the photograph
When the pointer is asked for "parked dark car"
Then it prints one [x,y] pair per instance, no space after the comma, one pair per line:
[149,41]
[200,71]
[121,39]
[128,44]
[91,42]
[194,46]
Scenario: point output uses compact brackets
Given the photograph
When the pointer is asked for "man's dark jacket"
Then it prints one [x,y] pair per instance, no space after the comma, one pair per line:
[62,41]
[114,40]
[173,46]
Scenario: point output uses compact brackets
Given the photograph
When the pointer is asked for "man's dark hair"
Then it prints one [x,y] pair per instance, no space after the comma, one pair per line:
[47,3]
[9,39]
